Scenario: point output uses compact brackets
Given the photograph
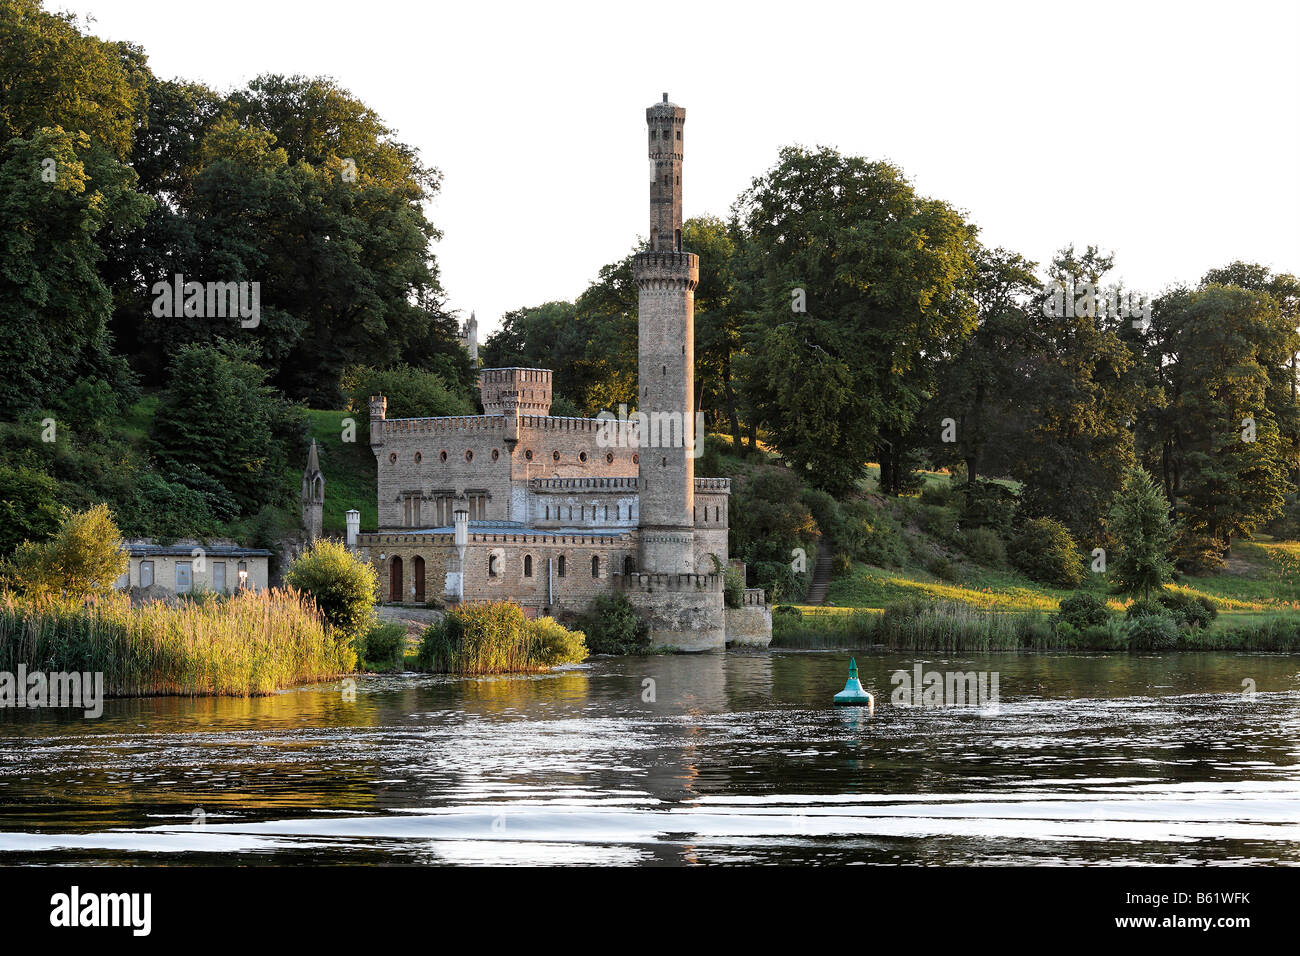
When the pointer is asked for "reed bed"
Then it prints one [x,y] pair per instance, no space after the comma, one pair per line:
[250,644]
[846,629]
[915,625]
[956,627]
[494,637]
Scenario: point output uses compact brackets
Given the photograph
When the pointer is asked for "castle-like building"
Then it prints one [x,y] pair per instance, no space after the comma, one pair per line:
[552,511]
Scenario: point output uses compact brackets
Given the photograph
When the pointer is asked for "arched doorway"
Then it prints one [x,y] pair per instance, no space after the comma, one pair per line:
[395,579]
[417,568]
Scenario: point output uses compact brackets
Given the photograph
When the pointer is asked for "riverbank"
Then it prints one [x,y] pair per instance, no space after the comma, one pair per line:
[958,627]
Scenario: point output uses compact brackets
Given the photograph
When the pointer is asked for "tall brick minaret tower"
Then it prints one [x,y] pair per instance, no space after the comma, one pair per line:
[665,279]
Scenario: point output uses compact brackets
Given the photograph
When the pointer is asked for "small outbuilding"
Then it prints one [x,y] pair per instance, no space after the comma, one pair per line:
[195,566]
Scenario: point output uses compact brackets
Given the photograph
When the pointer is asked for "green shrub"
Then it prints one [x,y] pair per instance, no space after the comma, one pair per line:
[1146,609]
[381,646]
[787,610]
[411,392]
[871,535]
[82,559]
[494,637]
[938,522]
[733,587]
[1044,550]
[1113,635]
[942,568]
[938,493]
[555,644]
[841,565]
[984,545]
[826,511]
[612,626]
[779,580]
[343,587]
[1152,632]
[29,507]
[987,504]
[1192,610]
[1082,610]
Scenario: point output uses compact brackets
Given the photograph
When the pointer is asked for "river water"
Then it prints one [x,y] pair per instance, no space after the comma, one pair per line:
[735,758]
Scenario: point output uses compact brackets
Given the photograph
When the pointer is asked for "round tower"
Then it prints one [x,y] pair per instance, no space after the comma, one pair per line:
[666,278]
[665,121]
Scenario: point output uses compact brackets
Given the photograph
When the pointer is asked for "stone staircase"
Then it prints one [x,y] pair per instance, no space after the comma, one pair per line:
[821,576]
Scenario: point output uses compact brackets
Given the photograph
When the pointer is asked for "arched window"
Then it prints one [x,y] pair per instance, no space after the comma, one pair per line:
[628,564]
[494,565]
[595,566]
[559,566]
[528,565]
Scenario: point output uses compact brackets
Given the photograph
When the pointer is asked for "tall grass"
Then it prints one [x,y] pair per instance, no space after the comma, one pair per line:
[494,637]
[812,630]
[250,644]
[915,625]
[955,626]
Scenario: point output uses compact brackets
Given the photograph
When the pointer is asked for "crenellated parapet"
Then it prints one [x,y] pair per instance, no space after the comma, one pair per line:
[511,391]
[398,427]
[715,486]
[666,271]
[649,583]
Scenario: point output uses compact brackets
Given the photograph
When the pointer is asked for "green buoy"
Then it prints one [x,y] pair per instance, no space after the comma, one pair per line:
[853,694]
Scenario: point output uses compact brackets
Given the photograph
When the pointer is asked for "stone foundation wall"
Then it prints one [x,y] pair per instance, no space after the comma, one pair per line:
[683,611]
[750,625]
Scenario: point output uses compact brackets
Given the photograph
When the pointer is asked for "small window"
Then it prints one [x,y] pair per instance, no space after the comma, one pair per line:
[559,566]
[528,455]
[494,566]
[679,134]
[609,458]
[595,566]
[242,573]
[392,457]
[418,457]
[555,456]
[496,453]
[528,565]
[219,576]
[146,574]
[469,455]
[582,456]
[636,459]
[442,456]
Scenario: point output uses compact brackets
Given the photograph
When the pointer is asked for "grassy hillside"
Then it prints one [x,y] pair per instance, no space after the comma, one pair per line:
[351,477]
[349,468]
[1258,588]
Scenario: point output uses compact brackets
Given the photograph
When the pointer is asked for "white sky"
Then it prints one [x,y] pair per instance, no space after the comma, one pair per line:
[1166,133]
